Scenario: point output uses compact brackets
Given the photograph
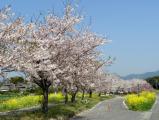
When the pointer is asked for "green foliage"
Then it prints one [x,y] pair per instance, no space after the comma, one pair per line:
[154,81]
[16,80]
[1,83]
[37,91]
[7,95]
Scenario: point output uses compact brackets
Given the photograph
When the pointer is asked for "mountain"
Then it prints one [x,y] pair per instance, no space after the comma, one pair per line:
[141,76]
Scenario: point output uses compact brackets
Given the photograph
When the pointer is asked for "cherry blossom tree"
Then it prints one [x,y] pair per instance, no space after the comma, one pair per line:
[35,48]
[51,51]
[104,83]
[81,60]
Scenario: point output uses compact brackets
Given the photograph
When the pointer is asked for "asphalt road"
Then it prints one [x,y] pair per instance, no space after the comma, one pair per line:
[115,110]
[155,111]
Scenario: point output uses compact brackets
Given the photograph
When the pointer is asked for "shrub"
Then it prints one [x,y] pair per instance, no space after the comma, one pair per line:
[16,80]
[142,102]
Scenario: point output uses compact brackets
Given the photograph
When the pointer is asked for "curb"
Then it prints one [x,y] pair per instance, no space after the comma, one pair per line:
[90,109]
[126,107]
[85,111]
[154,105]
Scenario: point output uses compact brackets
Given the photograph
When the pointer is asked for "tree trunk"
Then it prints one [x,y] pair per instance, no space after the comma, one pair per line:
[66,95]
[99,94]
[45,100]
[83,93]
[90,93]
[44,84]
[73,97]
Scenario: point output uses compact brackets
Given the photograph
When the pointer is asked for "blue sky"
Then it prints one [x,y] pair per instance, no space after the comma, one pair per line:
[132,25]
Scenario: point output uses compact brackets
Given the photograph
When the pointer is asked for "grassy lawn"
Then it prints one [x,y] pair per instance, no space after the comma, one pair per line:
[61,111]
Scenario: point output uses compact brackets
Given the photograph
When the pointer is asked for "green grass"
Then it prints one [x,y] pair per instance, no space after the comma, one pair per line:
[8,96]
[61,111]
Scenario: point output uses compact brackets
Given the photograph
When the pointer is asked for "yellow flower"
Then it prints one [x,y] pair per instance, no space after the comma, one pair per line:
[137,102]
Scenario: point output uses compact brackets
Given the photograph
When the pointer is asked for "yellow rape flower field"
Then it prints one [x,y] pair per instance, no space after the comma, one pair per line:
[28,101]
[143,102]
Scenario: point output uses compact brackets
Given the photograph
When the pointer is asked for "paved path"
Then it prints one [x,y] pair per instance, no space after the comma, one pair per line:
[115,110]
[155,111]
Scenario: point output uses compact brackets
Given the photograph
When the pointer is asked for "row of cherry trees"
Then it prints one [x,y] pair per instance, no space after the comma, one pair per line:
[52,51]
[128,86]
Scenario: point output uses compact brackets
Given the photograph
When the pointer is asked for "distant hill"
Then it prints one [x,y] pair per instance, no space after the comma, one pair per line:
[141,76]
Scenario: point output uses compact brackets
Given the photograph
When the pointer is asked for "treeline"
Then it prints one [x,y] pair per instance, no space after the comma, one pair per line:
[154,81]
